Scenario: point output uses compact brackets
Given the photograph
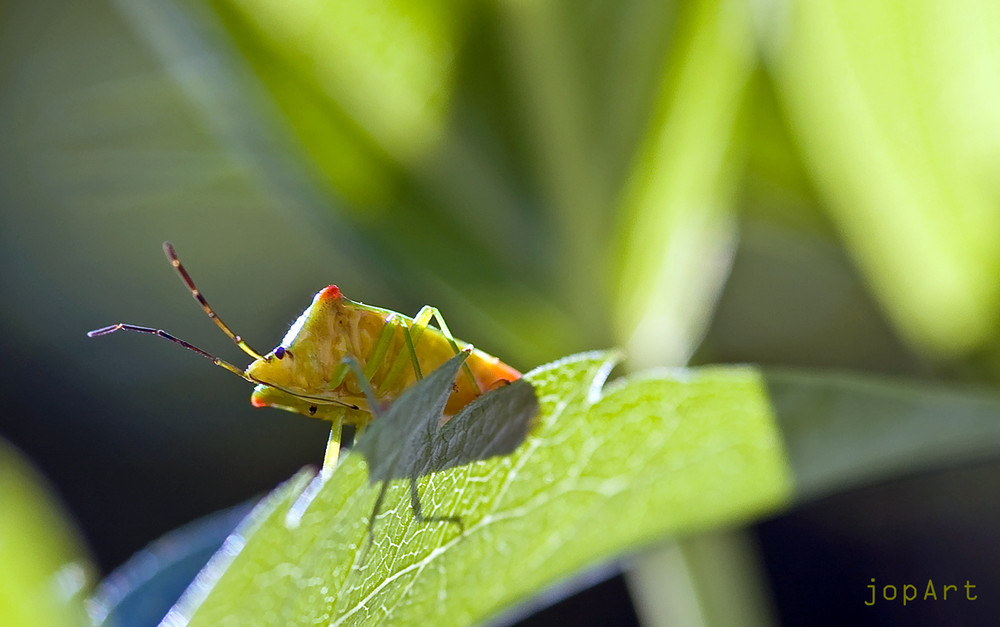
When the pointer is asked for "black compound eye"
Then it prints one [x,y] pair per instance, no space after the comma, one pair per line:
[312,410]
[279,352]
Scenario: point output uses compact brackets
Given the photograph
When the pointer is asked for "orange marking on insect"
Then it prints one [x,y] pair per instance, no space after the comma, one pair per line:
[331,292]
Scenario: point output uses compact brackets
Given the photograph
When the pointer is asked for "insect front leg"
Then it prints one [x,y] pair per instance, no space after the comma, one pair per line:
[333,443]
[366,381]
[348,365]
[366,376]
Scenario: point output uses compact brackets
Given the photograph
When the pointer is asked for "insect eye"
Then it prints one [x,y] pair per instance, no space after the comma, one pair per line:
[279,352]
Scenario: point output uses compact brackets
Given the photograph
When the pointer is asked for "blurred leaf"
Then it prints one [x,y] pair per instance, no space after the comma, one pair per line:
[439,221]
[362,85]
[45,573]
[894,106]
[677,228]
[842,431]
[537,149]
[142,590]
[586,486]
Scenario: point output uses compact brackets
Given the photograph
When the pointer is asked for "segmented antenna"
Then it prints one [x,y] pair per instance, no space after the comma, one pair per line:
[121,326]
[168,250]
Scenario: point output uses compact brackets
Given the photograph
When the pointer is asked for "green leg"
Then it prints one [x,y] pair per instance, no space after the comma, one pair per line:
[420,322]
[349,364]
[352,364]
[366,386]
[333,444]
[413,334]
[378,352]
[374,358]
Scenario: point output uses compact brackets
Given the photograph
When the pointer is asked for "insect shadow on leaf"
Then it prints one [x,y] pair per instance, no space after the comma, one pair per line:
[412,438]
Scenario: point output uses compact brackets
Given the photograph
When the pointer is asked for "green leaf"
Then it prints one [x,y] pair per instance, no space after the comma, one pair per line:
[601,474]
[44,571]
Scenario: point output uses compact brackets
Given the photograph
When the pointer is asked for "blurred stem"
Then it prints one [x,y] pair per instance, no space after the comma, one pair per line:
[677,239]
[554,100]
[709,580]
[676,225]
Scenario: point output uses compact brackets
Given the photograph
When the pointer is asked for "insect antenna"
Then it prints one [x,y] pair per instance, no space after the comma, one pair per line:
[161,333]
[168,250]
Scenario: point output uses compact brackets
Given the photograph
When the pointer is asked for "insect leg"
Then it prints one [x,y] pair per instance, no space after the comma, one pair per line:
[366,386]
[374,359]
[381,347]
[401,360]
[333,443]
[365,381]
[412,334]
[423,318]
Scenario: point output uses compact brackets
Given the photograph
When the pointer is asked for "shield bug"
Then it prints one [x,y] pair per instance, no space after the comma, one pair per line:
[341,356]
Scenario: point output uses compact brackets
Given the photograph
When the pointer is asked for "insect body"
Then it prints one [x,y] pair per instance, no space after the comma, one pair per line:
[307,373]
[315,370]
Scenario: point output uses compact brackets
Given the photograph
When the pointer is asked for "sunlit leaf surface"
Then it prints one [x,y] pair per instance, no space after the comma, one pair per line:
[602,473]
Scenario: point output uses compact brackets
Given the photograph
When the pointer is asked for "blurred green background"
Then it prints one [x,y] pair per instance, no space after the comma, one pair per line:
[807,184]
